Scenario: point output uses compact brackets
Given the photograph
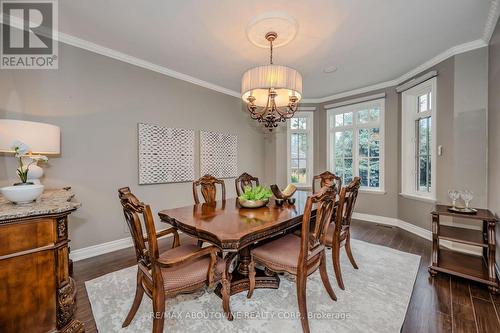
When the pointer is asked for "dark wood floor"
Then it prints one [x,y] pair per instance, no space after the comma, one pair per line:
[442,304]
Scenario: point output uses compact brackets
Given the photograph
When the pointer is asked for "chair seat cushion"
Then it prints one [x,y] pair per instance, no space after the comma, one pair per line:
[191,273]
[281,254]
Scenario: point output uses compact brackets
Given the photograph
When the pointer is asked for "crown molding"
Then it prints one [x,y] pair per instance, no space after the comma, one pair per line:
[491,21]
[465,47]
[111,53]
[355,101]
[493,15]
[358,91]
[99,49]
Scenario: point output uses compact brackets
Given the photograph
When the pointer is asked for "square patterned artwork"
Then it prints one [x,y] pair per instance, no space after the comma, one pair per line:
[218,154]
[166,155]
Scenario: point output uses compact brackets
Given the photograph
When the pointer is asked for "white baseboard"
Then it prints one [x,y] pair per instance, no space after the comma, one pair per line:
[416,230]
[95,250]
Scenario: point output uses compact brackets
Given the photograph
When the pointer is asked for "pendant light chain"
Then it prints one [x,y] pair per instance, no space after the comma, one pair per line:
[271,56]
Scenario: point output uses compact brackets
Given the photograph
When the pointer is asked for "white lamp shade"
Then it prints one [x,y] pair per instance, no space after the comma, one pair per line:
[40,138]
[284,80]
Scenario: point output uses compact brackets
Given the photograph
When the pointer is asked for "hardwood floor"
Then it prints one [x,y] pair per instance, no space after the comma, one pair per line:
[442,304]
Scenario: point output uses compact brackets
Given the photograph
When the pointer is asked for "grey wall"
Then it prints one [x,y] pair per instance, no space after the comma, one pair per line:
[494,129]
[97,102]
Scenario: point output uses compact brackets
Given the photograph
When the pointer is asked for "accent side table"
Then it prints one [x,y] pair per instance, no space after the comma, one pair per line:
[477,268]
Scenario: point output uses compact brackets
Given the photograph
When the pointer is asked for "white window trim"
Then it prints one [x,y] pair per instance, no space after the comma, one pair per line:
[408,136]
[310,148]
[381,124]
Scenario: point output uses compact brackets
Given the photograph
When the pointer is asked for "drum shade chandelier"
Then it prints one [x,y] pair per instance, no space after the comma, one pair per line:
[271,92]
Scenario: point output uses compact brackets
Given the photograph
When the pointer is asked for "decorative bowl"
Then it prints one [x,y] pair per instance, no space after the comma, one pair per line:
[253,203]
[22,193]
[288,192]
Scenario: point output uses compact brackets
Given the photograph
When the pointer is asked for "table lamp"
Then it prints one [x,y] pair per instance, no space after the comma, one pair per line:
[40,138]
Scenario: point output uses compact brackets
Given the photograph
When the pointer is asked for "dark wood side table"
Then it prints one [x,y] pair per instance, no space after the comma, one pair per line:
[476,268]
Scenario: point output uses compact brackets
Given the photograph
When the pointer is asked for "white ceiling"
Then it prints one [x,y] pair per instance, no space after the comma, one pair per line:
[369,41]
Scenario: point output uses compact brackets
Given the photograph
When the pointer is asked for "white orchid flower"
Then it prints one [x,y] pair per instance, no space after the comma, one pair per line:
[20,148]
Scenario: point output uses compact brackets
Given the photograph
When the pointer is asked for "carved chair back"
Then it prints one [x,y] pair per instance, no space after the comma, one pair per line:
[208,189]
[313,238]
[347,200]
[139,218]
[243,181]
[325,178]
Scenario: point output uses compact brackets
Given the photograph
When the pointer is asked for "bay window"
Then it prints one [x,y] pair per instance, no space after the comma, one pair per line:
[356,143]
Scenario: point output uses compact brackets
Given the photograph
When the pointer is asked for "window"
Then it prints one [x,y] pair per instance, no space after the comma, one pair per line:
[356,143]
[418,140]
[300,149]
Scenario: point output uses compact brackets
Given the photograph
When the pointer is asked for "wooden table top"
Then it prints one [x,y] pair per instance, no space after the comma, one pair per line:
[230,227]
[482,214]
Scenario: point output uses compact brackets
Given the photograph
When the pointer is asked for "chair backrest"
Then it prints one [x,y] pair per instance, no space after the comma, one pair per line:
[347,200]
[243,181]
[208,189]
[139,217]
[325,178]
[313,238]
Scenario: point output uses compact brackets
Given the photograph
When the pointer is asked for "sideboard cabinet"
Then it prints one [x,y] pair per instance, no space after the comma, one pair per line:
[37,293]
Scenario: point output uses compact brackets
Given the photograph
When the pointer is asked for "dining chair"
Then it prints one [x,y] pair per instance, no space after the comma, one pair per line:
[243,181]
[208,189]
[338,234]
[179,270]
[324,178]
[300,256]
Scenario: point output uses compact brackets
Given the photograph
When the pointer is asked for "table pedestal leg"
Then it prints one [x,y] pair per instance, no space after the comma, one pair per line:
[239,277]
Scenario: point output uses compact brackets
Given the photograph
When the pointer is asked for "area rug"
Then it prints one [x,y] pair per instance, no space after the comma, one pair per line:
[375,300]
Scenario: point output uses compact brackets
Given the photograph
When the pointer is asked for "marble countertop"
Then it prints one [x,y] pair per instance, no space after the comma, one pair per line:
[50,202]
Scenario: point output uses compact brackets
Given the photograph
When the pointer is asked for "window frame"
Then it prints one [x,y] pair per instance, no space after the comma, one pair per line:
[355,127]
[310,148]
[409,116]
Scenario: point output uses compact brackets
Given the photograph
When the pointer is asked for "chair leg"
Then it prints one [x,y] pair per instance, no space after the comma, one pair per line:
[336,265]
[226,289]
[324,277]
[158,311]
[139,292]
[349,252]
[251,278]
[301,296]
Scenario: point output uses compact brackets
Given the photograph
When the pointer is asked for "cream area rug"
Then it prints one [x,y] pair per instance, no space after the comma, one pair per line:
[375,300]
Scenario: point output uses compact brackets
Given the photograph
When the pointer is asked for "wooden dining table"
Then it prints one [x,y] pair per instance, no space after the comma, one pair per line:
[234,229]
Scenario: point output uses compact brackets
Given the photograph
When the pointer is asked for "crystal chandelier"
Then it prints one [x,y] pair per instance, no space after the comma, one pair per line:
[271,92]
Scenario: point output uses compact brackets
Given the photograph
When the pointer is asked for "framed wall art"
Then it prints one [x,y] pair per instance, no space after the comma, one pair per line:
[218,154]
[166,155]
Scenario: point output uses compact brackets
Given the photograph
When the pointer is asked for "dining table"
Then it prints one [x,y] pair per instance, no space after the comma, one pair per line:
[235,229]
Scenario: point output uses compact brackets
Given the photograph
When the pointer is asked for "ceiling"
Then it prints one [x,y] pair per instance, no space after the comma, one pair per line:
[368,41]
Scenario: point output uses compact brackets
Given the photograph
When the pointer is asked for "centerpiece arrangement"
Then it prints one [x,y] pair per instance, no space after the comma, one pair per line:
[255,197]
